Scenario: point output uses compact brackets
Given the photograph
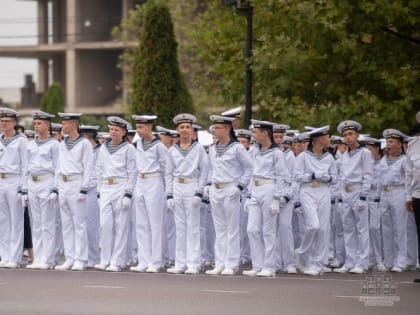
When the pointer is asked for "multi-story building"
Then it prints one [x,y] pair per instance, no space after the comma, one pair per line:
[75,48]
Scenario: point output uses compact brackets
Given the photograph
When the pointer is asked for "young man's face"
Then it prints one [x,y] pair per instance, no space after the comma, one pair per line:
[220,130]
[278,138]
[350,137]
[184,130]
[68,126]
[244,141]
[116,133]
[393,146]
[41,126]
[144,130]
[7,124]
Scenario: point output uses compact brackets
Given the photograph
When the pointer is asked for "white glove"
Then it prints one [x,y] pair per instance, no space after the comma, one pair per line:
[24,200]
[247,205]
[307,177]
[362,205]
[52,197]
[236,193]
[323,177]
[170,204]
[82,197]
[275,206]
[126,203]
[297,208]
[206,191]
[282,202]
[196,202]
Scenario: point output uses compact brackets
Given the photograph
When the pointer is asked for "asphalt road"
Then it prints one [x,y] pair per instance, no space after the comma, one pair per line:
[94,292]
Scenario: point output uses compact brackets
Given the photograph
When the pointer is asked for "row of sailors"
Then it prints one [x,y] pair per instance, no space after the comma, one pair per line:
[293,211]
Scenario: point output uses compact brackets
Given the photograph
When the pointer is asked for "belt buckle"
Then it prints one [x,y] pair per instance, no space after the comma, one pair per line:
[347,188]
[2,175]
[35,178]
[142,175]
[314,184]
[257,183]
[66,178]
[111,181]
[217,185]
[386,188]
[181,180]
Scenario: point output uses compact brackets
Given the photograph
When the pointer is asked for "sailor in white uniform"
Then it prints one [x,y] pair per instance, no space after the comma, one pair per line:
[315,170]
[149,196]
[116,176]
[40,181]
[230,172]
[269,191]
[12,163]
[392,204]
[73,172]
[186,176]
[357,170]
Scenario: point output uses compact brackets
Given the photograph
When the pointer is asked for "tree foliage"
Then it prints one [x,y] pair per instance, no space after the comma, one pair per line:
[52,101]
[316,62]
[158,85]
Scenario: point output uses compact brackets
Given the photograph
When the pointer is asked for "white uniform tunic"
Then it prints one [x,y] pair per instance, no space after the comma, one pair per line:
[230,166]
[41,181]
[12,163]
[150,202]
[185,178]
[74,168]
[394,213]
[116,175]
[316,204]
[269,180]
[357,170]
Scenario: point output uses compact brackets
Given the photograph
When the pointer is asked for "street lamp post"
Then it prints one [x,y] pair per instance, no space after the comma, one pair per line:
[246,8]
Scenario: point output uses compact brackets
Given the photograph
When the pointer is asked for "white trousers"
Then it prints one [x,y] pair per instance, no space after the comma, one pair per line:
[187,225]
[285,237]
[131,248]
[207,235]
[394,228]
[316,206]
[412,247]
[59,245]
[262,228]
[114,225]
[225,208]
[356,231]
[243,223]
[375,232]
[337,249]
[74,221]
[93,226]
[170,236]
[11,221]
[43,218]
[150,219]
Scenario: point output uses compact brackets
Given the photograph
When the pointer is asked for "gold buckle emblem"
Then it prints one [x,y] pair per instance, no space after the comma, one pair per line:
[386,188]
[111,181]
[347,188]
[217,185]
[35,178]
[314,184]
[2,175]
[66,178]
[142,175]
[257,183]
[181,180]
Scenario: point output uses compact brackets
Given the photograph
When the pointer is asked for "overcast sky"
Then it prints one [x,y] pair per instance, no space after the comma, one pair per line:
[17,27]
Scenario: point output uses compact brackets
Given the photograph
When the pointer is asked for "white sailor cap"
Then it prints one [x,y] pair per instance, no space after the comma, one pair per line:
[38,114]
[287,140]
[262,124]
[70,116]
[308,128]
[318,132]
[144,119]
[165,131]
[7,112]
[131,132]
[418,116]
[291,132]
[234,112]
[118,121]
[87,128]
[197,127]
[302,137]
[280,128]
[184,118]
[216,119]
[30,133]
[371,141]
[103,135]
[56,127]
[348,125]
[243,133]
[394,133]
[337,139]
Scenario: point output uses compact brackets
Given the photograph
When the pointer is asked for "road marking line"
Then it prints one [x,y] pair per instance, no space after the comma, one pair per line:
[221,291]
[102,287]
[347,296]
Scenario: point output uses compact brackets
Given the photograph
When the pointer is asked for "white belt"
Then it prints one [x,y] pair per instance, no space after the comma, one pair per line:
[185,180]
[8,175]
[387,188]
[38,178]
[222,185]
[115,180]
[314,184]
[69,178]
[148,175]
[353,187]
[261,182]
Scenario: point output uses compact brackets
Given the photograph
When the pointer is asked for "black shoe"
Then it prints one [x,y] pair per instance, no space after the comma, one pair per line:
[416,280]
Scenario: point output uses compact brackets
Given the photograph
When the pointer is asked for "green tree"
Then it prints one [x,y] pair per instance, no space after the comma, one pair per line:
[316,62]
[158,85]
[52,101]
